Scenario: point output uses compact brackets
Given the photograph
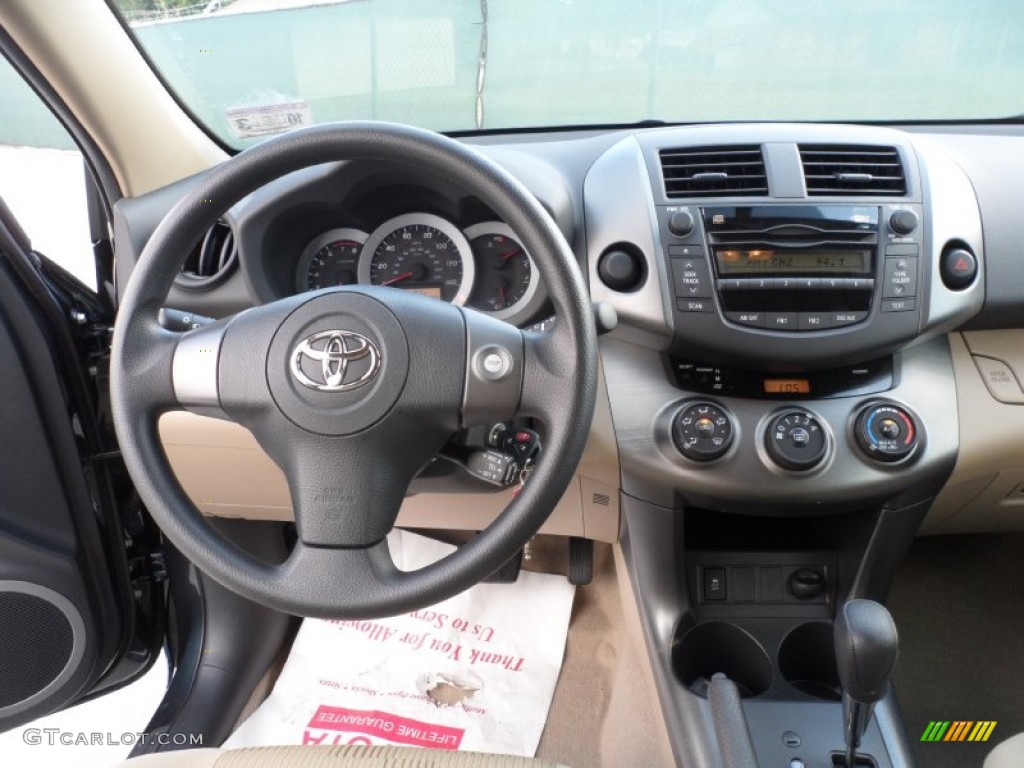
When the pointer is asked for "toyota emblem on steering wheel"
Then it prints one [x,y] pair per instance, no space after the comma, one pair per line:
[334,361]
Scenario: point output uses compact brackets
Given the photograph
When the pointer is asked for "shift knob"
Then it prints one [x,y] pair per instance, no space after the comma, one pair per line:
[866,648]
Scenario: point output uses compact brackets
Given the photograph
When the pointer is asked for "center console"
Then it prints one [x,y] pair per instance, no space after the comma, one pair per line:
[782,391]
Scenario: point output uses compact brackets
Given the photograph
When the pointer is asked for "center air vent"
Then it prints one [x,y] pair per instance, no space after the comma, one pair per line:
[736,171]
[836,169]
[211,260]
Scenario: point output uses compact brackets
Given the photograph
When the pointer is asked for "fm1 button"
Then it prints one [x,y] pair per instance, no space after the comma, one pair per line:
[959,267]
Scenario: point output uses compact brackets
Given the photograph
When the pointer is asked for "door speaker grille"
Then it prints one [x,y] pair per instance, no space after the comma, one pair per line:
[36,643]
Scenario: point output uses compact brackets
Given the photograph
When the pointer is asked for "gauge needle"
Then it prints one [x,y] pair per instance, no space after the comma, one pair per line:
[398,278]
[510,254]
[501,296]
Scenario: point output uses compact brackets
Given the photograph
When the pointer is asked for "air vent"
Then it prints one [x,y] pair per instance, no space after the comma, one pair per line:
[211,260]
[714,172]
[833,169]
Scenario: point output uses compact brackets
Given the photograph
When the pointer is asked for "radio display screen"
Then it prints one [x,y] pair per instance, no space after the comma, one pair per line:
[784,261]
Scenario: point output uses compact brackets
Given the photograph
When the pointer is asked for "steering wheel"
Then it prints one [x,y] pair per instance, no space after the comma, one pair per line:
[352,390]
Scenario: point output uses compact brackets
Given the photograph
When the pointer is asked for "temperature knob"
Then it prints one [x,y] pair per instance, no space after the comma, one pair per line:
[702,431]
[796,440]
[886,432]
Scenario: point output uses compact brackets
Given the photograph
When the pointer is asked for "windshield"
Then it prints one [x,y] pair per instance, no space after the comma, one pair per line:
[253,68]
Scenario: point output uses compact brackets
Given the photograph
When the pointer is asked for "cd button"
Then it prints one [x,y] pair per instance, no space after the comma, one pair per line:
[848,318]
[751,319]
[781,321]
[814,321]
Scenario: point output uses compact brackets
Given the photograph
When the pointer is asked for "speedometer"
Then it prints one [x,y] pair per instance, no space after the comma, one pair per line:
[419,252]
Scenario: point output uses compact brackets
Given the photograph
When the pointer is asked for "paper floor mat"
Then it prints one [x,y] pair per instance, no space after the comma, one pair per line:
[475,672]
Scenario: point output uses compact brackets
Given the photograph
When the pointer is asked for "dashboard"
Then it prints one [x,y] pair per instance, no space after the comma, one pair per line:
[801,308]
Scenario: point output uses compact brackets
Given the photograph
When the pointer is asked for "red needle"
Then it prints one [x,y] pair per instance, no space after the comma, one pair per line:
[501,295]
[403,276]
[510,254]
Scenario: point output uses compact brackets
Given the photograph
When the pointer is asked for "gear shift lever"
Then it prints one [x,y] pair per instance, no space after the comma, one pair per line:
[866,649]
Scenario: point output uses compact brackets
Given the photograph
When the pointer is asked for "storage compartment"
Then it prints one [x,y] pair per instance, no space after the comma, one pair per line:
[717,646]
[807,661]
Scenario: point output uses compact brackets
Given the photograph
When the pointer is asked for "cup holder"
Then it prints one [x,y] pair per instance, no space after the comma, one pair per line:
[718,646]
[807,661]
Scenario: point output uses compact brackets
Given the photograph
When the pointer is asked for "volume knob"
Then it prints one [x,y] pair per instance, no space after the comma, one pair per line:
[681,223]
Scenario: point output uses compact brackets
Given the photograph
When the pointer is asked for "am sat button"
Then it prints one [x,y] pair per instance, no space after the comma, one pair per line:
[751,319]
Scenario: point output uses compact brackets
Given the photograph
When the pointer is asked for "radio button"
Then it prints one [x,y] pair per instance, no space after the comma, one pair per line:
[751,319]
[730,284]
[900,277]
[859,283]
[848,318]
[781,321]
[759,283]
[814,321]
[898,305]
[808,283]
[692,279]
[784,283]
[833,283]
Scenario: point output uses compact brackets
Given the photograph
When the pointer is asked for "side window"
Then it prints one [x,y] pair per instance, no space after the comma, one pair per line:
[42,177]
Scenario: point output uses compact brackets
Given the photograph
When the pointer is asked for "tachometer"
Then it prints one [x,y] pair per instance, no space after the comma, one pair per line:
[331,260]
[506,281]
[419,252]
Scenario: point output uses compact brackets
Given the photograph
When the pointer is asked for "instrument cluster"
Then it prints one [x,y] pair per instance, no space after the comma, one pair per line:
[483,266]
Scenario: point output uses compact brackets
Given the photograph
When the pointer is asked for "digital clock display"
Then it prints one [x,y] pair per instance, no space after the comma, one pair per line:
[787,386]
[734,261]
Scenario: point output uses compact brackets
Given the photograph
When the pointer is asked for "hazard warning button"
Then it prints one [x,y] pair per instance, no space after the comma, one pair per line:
[959,268]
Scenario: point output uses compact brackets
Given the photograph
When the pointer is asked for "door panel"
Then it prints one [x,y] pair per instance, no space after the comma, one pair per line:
[69,611]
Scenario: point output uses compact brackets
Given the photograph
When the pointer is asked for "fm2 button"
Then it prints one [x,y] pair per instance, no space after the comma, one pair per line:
[702,431]
[796,440]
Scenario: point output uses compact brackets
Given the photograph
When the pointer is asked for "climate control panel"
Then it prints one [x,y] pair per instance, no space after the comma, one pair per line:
[797,439]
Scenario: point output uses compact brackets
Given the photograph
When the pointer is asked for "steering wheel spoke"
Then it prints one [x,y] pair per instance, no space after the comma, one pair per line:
[194,369]
[346,492]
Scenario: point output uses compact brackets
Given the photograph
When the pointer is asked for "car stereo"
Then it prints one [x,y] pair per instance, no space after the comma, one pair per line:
[780,270]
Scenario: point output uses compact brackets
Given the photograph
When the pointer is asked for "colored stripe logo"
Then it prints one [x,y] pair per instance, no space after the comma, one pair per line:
[958,730]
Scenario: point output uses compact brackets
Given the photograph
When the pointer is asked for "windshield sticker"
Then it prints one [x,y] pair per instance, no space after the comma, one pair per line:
[268,119]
